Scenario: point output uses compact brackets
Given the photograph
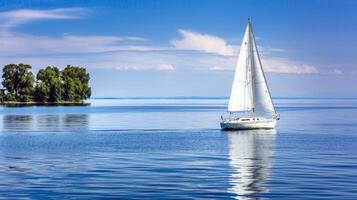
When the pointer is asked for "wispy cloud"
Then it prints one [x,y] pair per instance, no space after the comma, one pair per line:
[158,67]
[286,66]
[276,65]
[88,50]
[202,42]
[166,67]
[269,50]
[126,52]
[16,17]
[30,45]
[213,44]
[335,72]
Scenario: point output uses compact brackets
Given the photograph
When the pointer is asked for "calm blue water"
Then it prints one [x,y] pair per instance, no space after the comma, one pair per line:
[173,148]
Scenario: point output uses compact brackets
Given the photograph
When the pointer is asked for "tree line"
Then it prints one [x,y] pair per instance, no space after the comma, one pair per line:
[49,85]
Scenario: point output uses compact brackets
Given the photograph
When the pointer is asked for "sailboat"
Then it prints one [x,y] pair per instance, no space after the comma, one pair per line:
[250,104]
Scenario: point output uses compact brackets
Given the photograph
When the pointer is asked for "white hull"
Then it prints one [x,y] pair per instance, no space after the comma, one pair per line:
[248,123]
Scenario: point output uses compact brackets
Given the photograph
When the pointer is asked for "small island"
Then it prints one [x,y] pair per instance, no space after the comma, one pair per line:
[50,86]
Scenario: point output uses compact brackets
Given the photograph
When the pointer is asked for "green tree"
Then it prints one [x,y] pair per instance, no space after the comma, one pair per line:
[9,78]
[2,95]
[41,92]
[18,81]
[49,85]
[75,84]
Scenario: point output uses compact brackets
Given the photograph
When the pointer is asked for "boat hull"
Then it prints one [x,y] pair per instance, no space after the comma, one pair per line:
[244,125]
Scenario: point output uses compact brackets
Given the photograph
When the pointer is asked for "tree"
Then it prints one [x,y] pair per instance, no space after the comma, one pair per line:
[10,79]
[52,85]
[75,84]
[2,95]
[18,81]
[41,92]
[26,83]
[49,85]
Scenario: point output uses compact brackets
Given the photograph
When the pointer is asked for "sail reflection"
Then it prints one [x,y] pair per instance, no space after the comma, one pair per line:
[250,154]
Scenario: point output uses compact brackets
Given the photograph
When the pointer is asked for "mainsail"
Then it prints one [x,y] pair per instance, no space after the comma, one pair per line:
[241,95]
[250,91]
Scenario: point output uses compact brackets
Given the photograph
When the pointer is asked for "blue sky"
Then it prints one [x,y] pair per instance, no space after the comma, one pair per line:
[186,48]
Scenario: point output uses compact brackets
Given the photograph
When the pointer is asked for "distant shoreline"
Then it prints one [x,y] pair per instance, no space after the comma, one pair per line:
[212,97]
[32,103]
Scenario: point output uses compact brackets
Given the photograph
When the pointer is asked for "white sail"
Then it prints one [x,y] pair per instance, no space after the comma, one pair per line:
[263,103]
[241,95]
[250,91]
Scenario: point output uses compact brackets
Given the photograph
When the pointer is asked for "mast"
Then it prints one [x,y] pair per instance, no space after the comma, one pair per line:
[251,56]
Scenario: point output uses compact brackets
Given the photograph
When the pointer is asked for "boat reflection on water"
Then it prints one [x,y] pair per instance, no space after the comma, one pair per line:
[250,154]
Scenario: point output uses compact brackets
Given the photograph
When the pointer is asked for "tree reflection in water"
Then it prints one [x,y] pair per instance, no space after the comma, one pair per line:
[18,122]
[45,122]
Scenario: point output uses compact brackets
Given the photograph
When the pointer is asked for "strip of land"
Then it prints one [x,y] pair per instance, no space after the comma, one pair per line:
[32,103]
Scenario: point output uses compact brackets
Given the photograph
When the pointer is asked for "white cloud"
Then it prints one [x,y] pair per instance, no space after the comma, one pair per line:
[269,50]
[118,53]
[124,52]
[166,67]
[293,69]
[158,60]
[139,67]
[274,65]
[134,38]
[16,17]
[280,65]
[135,60]
[118,60]
[20,44]
[335,71]
[202,42]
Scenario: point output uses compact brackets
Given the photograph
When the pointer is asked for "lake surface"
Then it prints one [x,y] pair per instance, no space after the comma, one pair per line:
[174,149]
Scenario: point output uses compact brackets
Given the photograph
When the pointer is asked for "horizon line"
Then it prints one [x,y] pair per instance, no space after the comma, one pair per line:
[211,97]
